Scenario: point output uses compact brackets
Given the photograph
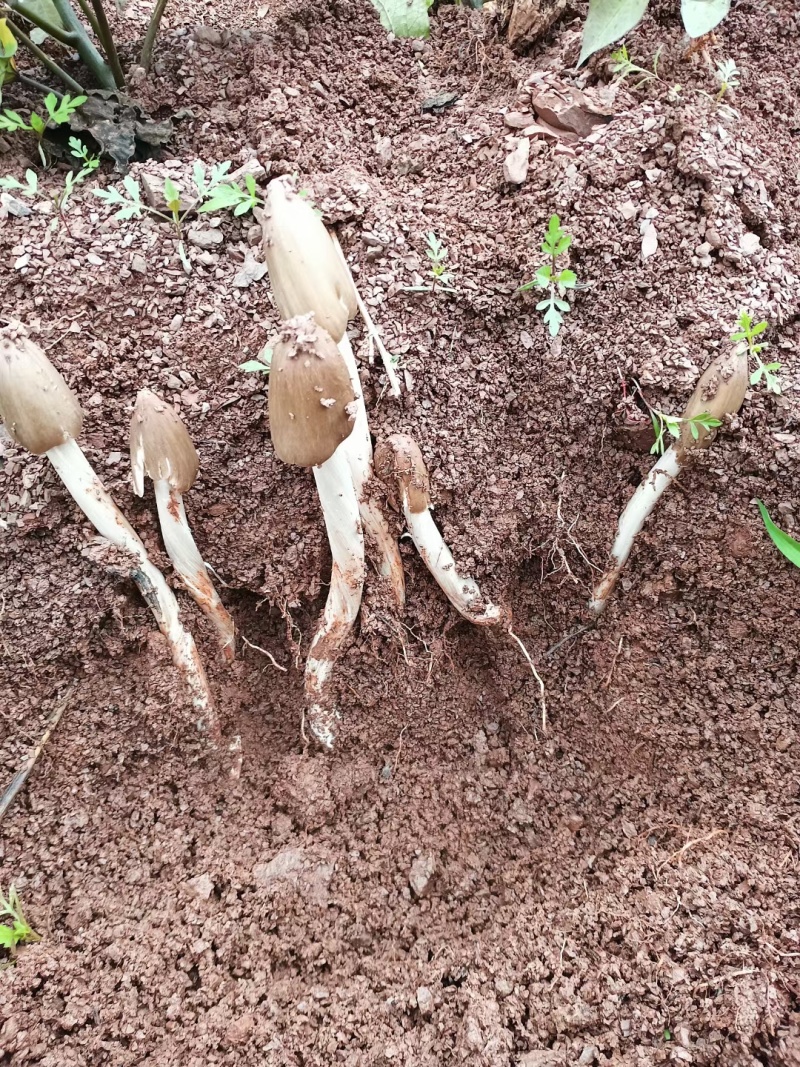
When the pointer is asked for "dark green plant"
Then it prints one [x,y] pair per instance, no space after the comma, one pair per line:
[76,25]
[785,544]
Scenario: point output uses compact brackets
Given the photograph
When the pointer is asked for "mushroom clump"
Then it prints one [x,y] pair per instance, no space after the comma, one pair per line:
[41,413]
[401,468]
[311,417]
[719,392]
[162,449]
[308,274]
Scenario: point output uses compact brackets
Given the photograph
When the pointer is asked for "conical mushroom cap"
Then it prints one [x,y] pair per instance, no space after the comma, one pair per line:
[37,407]
[161,447]
[400,466]
[719,392]
[305,270]
[311,401]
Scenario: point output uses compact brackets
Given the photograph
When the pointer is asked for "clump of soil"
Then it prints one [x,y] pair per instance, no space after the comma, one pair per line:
[453,884]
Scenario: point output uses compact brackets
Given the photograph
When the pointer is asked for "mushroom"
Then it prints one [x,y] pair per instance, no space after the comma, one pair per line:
[719,392]
[399,465]
[308,274]
[311,417]
[162,449]
[41,413]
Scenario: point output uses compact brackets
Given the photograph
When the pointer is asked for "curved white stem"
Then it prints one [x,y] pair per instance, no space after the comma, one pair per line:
[87,490]
[358,448]
[633,518]
[340,511]
[188,563]
[463,593]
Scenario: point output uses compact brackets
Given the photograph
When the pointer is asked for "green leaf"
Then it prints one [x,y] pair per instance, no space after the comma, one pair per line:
[172,195]
[544,276]
[404,18]
[607,21]
[250,182]
[12,120]
[132,188]
[243,208]
[782,541]
[111,196]
[255,366]
[38,124]
[567,278]
[701,16]
[7,937]
[225,197]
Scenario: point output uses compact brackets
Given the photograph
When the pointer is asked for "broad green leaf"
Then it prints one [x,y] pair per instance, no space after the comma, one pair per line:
[404,18]
[782,541]
[7,937]
[544,276]
[701,16]
[225,196]
[250,182]
[37,123]
[254,366]
[8,42]
[607,21]
[132,188]
[567,278]
[172,194]
[243,208]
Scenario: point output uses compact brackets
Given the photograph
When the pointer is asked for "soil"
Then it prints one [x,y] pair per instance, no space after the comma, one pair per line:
[454,883]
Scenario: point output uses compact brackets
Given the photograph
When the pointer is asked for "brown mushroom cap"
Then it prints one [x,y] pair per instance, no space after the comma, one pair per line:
[38,408]
[305,270]
[311,399]
[719,392]
[399,465]
[161,447]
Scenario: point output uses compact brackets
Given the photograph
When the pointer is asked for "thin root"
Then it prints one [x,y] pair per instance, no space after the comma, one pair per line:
[542,692]
[264,652]
[21,776]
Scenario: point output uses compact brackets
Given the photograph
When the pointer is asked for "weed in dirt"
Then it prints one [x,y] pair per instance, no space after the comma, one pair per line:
[663,424]
[622,67]
[748,331]
[440,273]
[553,281]
[727,74]
[212,194]
[29,188]
[57,113]
[20,932]
[785,544]
[262,364]
[74,177]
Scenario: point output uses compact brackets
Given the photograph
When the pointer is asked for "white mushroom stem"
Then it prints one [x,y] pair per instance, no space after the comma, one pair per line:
[372,331]
[188,562]
[463,593]
[341,513]
[633,518]
[86,489]
[358,448]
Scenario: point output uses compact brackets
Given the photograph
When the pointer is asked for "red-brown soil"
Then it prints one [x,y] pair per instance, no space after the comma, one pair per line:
[452,884]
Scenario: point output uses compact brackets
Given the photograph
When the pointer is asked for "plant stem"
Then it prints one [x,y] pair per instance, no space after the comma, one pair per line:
[88,14]
[44,59]
[146,58]
[56,32]
[38,86]
[106,38]
[86,50]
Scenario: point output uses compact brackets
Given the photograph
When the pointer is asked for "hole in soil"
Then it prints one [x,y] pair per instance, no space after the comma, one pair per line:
[455,978]
[194,977]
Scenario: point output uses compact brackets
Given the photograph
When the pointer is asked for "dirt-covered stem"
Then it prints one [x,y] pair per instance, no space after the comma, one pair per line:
[146,57]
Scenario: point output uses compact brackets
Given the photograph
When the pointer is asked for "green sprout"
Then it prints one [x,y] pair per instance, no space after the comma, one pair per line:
[553,281]
[262,364]
[664,424]
[748,331]
[785,544]
[74,177]
[211,195]
[58,112]
[727,74]
[30,187]
[623,67]
[19,932]
[442,276]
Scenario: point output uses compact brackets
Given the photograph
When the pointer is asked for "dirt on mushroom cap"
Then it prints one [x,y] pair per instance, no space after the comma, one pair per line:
[311,399]
[37,407]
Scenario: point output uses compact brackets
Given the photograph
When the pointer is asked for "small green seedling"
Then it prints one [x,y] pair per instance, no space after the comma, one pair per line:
[74,177]
[785,544]
[262,364]
[727,74]
[748,331]
[19,932]
[58,112]
[548,277]
[211,195]
[30,187]
[664,424]
[622,67]
[442,276]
